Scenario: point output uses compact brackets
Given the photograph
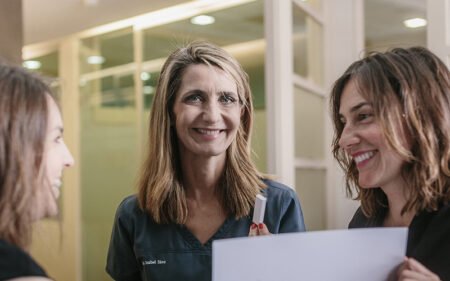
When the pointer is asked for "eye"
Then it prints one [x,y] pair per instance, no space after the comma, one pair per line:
[365,116]
[227,99]
[194,98]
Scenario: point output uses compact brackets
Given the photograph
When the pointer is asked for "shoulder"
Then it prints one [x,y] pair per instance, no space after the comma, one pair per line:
[360,220]
[14,262]
[439,219]
[128,206]
[278,190]
[128,211]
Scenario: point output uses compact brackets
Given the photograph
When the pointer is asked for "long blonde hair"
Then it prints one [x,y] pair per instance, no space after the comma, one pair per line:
[23,129]
[410,87]
[160,188]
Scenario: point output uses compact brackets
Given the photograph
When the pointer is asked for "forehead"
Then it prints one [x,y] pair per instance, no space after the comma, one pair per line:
[350,97]
[54,116]
[207,76]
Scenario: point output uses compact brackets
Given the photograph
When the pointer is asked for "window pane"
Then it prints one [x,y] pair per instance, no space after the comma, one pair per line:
[310,187]
[309,125]
[308,47]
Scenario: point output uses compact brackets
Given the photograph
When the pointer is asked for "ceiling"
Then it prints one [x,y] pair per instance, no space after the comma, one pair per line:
[49,19]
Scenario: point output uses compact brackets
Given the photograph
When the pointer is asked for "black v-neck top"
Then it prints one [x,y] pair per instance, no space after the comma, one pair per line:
[428,237]
[141,249]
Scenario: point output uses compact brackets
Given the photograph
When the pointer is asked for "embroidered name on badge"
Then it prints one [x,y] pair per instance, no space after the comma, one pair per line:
[153,262]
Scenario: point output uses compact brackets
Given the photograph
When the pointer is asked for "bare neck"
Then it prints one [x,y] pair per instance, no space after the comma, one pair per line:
[397,197]
[201,176]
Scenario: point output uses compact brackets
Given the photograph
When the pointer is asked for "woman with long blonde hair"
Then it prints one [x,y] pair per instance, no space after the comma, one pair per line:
[198,183]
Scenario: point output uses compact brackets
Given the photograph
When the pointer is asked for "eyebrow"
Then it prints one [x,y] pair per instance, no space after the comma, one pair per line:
[59,128]
[359,105]
[219,93]
[356,107]
[227,93]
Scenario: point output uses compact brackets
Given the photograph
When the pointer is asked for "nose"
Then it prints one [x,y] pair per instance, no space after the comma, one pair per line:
[349,137]
[211,112]
[68,158]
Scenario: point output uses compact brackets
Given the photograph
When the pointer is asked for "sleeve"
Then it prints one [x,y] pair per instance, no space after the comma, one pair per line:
[292,217]
[121,262]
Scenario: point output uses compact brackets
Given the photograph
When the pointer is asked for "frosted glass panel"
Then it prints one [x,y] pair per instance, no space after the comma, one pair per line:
[309,125]
[109,162]
[307,46]
[106,50]
[310,187]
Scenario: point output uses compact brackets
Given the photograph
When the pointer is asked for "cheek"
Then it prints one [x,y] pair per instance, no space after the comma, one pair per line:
[236,117]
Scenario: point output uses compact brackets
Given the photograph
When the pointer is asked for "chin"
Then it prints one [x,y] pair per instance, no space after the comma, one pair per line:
[366,184]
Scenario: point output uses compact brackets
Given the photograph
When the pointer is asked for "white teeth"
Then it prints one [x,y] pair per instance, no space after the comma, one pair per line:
[363,157]
[209,132]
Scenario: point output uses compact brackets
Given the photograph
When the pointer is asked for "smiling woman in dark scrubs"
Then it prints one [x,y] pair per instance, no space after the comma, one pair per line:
[198,183]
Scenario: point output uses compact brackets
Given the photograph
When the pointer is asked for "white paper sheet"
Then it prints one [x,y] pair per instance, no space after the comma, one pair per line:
[368,254]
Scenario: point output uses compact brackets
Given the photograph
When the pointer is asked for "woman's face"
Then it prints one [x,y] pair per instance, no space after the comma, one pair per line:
[56,157]
[362,138]
[207,111]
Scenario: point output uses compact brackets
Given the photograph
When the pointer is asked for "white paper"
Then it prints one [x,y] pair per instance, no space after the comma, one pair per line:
[368,254]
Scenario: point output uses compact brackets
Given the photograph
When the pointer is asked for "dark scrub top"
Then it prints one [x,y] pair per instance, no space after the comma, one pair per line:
[14,263]
[428,237]
[141,249]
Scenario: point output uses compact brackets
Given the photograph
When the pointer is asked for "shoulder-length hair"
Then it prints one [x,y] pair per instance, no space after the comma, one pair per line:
[23,129]
[410,93]
[160,187]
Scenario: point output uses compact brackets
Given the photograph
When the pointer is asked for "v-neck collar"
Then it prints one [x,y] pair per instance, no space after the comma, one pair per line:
[196,244]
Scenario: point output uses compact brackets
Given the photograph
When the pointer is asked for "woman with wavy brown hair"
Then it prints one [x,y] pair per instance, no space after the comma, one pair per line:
[32,158]
[391,114]
[198,183]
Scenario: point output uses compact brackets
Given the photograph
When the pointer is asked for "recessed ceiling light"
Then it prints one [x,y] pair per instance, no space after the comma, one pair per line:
[203,20]
[95,60]
[32,64]
[415,22]
[145,76]
[148,90]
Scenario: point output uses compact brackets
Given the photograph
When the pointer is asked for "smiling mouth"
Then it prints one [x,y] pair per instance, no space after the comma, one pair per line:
[209,132]
[363,157]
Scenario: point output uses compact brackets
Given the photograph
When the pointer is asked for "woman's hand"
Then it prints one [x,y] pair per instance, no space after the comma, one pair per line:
[258,230]
[413,270]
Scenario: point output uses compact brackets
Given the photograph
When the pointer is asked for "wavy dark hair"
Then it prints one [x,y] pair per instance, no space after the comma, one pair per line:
[410,87]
